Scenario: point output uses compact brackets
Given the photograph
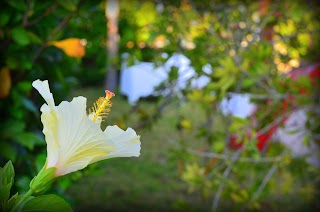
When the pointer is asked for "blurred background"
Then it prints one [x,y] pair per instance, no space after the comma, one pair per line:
[225,96]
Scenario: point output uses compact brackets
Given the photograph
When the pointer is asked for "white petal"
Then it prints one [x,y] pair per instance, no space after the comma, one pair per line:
[50,130]
[74,141]
[80,140]
[44,90]
[127,142]
[48,119]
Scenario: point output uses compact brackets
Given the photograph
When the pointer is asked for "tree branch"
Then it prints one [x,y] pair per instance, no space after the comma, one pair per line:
[44,14]
[265,181]
[52,34]
[225,175]
[26,14]
[159,109]
[272,95]
[241,159]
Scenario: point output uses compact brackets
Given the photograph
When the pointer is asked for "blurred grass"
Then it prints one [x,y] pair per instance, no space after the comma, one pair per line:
[148,183]
[151,182]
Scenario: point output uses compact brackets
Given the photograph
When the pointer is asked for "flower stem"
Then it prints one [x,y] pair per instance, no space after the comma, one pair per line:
[23,198]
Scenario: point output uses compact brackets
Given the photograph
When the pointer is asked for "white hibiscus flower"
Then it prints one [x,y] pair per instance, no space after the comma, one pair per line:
[75,139]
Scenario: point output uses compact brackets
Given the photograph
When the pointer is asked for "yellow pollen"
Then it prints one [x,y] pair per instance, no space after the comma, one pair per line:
[102,106]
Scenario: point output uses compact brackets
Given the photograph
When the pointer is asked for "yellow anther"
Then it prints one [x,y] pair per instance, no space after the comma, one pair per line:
[102,106]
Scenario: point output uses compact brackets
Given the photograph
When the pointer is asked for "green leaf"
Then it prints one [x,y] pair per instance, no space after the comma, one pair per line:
[70,5]
[42,180]
[12,127]
[173,74]
[7,174]
[238,124]
[5,192]
[11,201]
[30,106]
[22,182]
[4,18]
[6,180]
[228,82]
[17,202]
[34,38]
[20,6]
[46,203]
[64,183]
[24,86]
[28,140]
[306,140]
[20,36]
[12,62]
[218,146]
[25,62]
[248,82]
[8,151]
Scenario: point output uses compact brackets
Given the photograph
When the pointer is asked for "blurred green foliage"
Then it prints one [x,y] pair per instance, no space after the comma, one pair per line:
[27,29]
[249,46]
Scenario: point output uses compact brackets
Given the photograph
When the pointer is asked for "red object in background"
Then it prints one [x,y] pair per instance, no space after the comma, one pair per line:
[262,139]
[313,72]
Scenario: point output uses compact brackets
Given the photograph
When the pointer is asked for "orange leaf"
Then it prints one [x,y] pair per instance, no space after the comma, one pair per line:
[5,82]
[73,47]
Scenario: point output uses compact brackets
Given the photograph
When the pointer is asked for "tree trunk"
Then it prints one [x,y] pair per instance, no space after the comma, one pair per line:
[112,13]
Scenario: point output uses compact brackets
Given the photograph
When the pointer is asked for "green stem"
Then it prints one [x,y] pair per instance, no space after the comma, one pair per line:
[23,198]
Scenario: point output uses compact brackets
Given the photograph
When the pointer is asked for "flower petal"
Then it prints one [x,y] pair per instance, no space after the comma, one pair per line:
[127,143]
[80,140]
[48,119]
[44,90]
[50,130]
[74,140]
